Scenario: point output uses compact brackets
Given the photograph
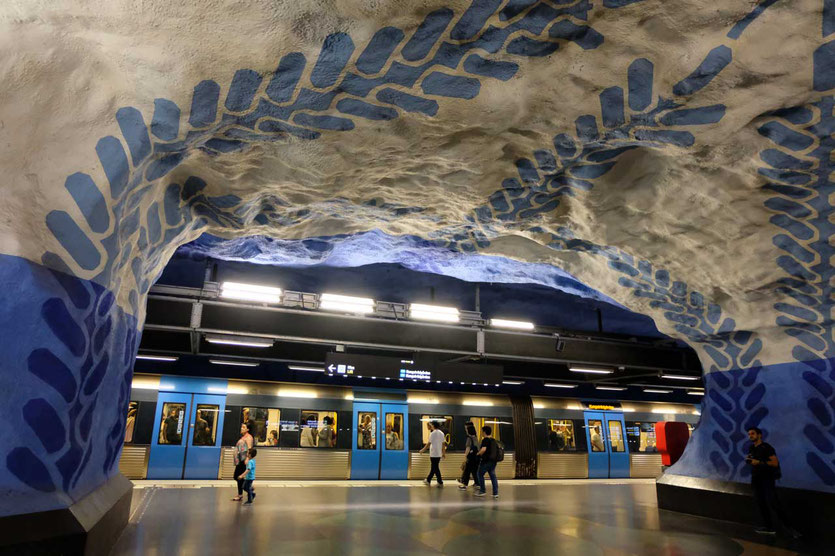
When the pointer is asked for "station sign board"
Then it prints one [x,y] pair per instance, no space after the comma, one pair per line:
[367,366]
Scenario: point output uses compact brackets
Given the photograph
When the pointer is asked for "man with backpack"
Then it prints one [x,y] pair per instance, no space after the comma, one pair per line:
[765,470]
[491,453]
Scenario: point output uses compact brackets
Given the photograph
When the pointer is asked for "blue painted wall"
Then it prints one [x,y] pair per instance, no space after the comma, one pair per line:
[65,370]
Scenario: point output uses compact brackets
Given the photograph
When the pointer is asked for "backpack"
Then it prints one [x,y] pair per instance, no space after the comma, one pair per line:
[497,451]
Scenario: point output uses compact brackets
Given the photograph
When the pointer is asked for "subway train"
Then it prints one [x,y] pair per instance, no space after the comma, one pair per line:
[185,428]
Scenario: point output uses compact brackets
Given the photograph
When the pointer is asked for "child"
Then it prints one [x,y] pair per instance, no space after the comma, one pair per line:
[249,476]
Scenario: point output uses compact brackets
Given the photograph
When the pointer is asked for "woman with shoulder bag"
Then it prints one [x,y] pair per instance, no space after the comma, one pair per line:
[470,465]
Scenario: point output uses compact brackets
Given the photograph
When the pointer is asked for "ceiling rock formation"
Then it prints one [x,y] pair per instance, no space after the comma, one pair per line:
[674,156]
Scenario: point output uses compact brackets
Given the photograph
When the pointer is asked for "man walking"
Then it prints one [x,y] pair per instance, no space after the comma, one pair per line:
[765,470]
[489,455]
[437,450]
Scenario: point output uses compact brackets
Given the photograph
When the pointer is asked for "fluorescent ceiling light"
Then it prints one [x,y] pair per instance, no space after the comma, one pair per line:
[681,377]
[240,341]
[513,382]
[333,302]
[302,368]
[296,394]
[250,292]
[591,370]
[696,392]
[515,324]
[657,391]
[614,388]
[433,312]
[558,385]
[157,358]
[234,363]
[144,386]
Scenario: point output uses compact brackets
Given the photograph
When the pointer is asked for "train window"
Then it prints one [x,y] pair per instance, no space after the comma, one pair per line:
[491,422]
[442,421]
[596,435]
[640,436]
[616,436]
[318,429]
[561,435]
[264,424]
[205,425]
[172,423]
[394,431]
[133,411]
[367,430]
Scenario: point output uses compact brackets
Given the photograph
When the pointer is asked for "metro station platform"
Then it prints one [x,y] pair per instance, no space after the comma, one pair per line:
[607,517]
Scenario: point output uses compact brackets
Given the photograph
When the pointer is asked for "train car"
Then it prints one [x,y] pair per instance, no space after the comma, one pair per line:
[186,428]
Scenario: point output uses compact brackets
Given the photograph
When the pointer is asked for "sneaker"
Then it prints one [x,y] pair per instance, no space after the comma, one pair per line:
[247,503]
[479,493]
[765,531]
[440,484]
[462,487]
[495,496]
[427,483]
[254,495]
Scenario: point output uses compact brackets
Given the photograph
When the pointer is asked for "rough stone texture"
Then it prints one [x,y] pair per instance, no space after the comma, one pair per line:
[674,156]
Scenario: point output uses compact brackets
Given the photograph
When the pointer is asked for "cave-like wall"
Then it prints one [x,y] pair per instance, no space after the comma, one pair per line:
[674,155]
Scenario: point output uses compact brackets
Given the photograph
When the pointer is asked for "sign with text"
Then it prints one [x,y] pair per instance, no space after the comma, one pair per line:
[367,366]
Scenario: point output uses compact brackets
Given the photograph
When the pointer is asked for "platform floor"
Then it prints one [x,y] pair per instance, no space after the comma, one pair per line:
[606,517]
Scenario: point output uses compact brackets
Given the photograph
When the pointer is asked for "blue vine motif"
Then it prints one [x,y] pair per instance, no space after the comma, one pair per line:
[799,173]
[94,340]
[393,74]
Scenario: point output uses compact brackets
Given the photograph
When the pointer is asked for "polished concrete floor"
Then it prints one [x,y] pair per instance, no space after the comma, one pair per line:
[405,517]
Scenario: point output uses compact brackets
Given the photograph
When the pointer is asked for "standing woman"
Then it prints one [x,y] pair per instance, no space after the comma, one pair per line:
[242,447]
[472,460]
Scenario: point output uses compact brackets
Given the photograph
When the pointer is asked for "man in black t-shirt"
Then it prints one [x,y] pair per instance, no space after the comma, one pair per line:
[765,470]
[488,453]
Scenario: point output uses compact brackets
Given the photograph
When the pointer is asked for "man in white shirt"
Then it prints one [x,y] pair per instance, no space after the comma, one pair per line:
[437,450]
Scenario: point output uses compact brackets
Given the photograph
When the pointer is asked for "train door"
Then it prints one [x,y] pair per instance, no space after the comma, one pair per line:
[380,445]
[618,449]
[170,434]
[608,453]
[394,457]
[186,439]
[203,452]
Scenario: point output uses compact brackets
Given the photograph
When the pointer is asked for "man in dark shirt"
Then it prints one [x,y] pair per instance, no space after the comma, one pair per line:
[487,453]
[765,470]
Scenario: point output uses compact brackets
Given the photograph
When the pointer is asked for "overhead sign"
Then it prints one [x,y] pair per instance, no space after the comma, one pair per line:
[602,406]
[367,366]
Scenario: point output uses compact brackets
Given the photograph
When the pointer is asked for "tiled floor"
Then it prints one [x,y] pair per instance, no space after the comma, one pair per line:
[405,517]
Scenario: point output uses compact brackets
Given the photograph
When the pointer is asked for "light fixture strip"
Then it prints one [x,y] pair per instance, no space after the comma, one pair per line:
[514,324]
[433,312]
[559,385]
[233,363]
[513,382]
[242,342]
[250,292]
[590,370]
[680,377]
[656,391]
[165,358]
[613,388]
[303,368]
